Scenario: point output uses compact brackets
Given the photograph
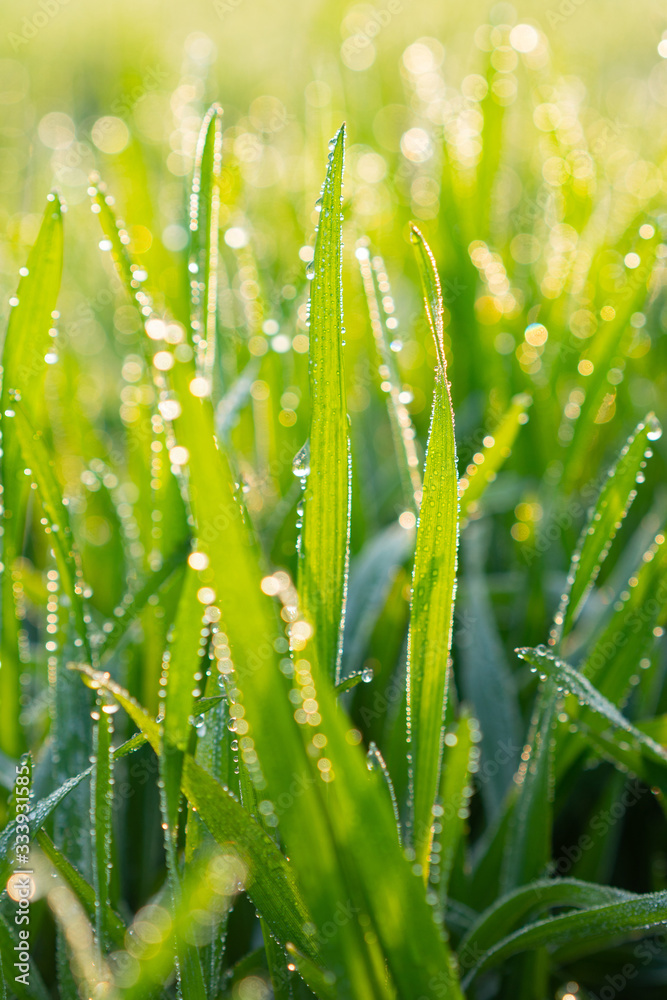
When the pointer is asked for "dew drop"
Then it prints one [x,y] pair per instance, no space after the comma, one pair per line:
[301,462]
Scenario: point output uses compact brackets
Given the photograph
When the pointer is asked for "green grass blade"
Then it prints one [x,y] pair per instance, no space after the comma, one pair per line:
[204,211]
[433,582]
[570,680]
[324,539]
[276,960]
[584,933]
[27,341]
[502,917]
[611,507]
[101,801]
[171,569]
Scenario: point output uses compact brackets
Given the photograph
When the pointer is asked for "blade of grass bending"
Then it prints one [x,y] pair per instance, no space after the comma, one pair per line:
[497,447]
[528,847]
[570,680]
[617,493]
[26,343]
[204,212]
[324,542]
[574,934]
[617,649]
[272,885]
[433,582]
[501,918]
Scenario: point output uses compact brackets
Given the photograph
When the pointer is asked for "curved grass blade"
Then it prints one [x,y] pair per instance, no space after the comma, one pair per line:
[502,917]
[611,507]
[629,636]
[324,542]
[433,582]
[570,680]
[572,935]
[26,343]
[204,212]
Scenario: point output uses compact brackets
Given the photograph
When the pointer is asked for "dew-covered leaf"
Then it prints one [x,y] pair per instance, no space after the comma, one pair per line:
[568,679]
[617,493]
[433,582]
[324,540]
[572,935]
[502,917]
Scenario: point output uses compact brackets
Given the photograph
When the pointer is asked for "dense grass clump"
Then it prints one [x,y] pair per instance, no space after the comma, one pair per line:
[304,689]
